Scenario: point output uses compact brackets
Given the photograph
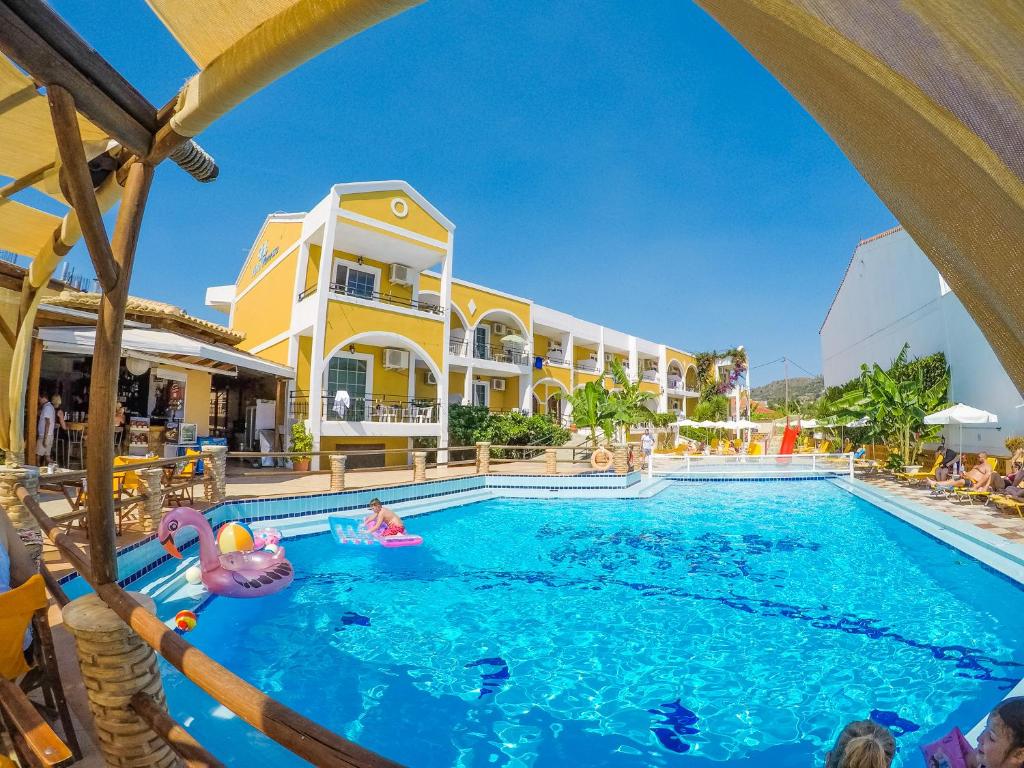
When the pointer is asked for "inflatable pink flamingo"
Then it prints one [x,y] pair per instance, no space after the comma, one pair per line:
[236,574]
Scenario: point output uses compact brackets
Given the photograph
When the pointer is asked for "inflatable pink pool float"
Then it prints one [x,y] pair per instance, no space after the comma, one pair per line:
[235,574]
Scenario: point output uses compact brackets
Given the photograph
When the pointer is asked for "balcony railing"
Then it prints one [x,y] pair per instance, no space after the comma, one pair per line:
[383,298]
[382,408]
[464,348]
[651,374]
[587,364]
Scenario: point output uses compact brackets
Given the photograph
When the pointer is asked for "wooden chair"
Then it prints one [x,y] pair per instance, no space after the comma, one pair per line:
[35,741]
[180,480]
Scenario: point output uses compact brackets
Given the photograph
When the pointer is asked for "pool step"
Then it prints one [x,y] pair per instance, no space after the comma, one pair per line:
[423,506]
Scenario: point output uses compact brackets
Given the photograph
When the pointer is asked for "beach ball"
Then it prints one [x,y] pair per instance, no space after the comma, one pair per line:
[235,537]
[194,575]
[271,548]
[185,621]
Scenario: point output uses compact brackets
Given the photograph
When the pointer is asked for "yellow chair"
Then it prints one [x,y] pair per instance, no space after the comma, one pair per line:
[42,746]
[755,449]
[914,477]
[825,446]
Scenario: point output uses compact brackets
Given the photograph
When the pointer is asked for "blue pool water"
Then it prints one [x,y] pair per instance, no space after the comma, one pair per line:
[728,624]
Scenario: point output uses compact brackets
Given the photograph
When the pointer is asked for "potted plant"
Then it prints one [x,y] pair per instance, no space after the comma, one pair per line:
[302,441]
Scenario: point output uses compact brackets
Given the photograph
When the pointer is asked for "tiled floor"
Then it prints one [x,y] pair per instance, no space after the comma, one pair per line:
[989,517]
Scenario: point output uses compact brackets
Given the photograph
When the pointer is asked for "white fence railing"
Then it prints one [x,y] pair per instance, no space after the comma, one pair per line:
[742,465]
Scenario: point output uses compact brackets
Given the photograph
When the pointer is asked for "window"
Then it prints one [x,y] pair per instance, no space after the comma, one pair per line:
[481,393]
[347,374]
[354,281]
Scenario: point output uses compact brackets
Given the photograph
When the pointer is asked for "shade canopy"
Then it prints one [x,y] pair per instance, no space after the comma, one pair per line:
[961,414]
[239,46]
[926,99]
[158,346]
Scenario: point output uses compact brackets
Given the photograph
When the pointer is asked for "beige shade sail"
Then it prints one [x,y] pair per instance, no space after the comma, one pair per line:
[926,98]
[243,46]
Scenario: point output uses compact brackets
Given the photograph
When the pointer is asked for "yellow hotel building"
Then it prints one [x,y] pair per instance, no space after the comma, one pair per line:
[357,296]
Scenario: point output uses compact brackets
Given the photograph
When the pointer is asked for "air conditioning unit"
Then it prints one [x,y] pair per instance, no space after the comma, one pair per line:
[429,378]
[395,359]
[401,274]
[498,385]
[500,329]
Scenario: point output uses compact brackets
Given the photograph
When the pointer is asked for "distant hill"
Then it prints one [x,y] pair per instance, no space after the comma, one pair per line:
[800,388]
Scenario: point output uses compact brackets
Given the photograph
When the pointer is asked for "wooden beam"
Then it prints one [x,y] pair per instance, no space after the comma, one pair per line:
[106,364]
[35,365]
[181,741]
[8,333]
[39,41]
[75,174]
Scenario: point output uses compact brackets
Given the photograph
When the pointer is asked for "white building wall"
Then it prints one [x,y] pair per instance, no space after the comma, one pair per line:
[892,295]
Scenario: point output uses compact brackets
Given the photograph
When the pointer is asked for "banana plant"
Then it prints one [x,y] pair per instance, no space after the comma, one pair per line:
[628,401]
[895,407]
[592,409]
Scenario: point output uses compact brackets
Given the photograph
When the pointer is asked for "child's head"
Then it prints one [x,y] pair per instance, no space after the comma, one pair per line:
[862,744]
[375,505]
[1001,744]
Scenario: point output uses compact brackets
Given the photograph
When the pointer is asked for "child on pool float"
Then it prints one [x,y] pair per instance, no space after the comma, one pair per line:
[392,523]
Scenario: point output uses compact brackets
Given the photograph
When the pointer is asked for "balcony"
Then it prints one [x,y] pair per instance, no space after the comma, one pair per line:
[371,414]
[588,364]
[378,297]
[507,355]
[651,374]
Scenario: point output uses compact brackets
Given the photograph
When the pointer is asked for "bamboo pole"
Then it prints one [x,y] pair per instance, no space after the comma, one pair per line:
[106,364]
[75,177]
[32,403]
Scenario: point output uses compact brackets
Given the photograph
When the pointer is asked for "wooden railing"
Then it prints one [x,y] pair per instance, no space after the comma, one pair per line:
[295,732]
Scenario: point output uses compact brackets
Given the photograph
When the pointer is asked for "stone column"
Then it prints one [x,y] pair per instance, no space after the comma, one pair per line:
[551,461]
[337,471]
[419,466]
[215,462]
[21,519]
[620,452]
[483,458]
[115,665]
[152,492]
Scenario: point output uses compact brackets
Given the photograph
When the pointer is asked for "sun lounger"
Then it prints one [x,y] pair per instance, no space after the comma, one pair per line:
[916,477]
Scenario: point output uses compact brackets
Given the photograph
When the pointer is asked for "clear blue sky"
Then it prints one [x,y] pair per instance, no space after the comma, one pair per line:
[628,163]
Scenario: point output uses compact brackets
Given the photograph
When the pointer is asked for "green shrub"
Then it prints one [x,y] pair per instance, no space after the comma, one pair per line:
[470,424]
[302,441]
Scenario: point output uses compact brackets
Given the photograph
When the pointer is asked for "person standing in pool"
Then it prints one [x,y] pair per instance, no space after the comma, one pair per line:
[384,516]
[647,446]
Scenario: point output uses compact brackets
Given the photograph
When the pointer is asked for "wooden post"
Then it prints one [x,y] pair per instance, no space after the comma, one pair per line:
[32,402]
[77,184]
[106,363]
[116,665]
[620,452]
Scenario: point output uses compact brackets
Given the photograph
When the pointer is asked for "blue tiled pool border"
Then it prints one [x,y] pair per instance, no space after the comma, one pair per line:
[139,558]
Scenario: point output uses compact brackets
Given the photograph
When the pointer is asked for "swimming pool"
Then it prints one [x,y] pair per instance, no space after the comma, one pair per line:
[728,624]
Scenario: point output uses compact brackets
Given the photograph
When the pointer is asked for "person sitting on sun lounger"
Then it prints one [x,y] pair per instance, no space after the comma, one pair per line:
[979,478]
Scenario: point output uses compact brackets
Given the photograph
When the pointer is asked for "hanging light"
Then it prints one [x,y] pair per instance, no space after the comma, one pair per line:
[136,366]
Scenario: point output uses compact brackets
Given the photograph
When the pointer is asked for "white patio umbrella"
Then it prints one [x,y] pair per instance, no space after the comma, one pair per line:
[961,414]
[863,421]
[513,340]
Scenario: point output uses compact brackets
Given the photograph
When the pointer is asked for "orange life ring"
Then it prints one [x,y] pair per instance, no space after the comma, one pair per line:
[602,459]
